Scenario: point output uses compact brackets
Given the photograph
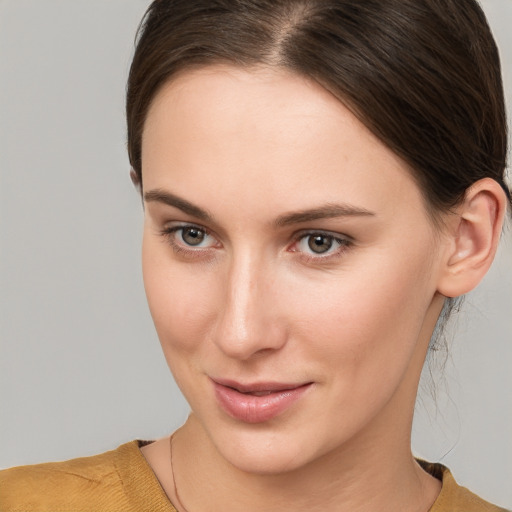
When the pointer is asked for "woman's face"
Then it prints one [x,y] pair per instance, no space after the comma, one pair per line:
[290,267]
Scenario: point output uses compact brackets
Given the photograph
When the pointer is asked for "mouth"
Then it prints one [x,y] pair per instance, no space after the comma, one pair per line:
[257,402]
[256,393]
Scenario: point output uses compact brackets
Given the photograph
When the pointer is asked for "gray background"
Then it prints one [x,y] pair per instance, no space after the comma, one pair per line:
[80,365]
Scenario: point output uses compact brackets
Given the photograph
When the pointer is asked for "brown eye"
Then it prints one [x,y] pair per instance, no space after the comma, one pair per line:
[320,243]
[193,236]
[321,246]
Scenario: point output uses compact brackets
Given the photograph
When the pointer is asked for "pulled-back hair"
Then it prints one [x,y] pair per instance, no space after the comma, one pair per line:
[423,75]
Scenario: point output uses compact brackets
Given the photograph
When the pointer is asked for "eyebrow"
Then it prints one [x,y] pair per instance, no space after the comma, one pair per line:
[161,196]
[329,211]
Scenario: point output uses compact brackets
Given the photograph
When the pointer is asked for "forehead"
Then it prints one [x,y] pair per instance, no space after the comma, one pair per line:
[264,133]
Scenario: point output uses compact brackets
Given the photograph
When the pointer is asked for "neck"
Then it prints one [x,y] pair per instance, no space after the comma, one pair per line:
[356,478]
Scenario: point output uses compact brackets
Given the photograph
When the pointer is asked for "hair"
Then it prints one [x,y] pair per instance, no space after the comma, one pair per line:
[423,75]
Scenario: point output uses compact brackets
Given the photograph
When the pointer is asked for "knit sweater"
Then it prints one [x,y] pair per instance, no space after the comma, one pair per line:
[122,481]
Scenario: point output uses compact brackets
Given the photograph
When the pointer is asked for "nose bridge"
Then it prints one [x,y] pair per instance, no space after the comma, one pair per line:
[247,323]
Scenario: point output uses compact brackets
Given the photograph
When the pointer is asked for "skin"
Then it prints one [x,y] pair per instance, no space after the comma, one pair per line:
[253,302]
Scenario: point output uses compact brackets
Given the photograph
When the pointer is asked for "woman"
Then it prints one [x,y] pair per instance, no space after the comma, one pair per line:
[321,180]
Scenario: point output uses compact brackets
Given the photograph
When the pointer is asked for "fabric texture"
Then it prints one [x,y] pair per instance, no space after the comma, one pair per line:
[122,481]
[116,481]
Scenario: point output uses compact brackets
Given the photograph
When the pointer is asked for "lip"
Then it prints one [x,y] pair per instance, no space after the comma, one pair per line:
[273,398]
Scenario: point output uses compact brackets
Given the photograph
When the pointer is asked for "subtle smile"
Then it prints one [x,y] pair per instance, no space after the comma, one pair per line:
[259,402]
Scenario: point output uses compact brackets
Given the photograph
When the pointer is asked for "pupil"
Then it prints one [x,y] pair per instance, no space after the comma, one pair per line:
[193,236]
[320,243]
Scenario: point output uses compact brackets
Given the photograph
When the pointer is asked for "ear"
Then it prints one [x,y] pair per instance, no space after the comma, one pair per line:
[473,237]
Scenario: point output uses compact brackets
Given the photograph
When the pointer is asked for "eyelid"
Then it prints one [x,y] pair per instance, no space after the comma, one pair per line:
[323,232]
[343,240]
[171,228]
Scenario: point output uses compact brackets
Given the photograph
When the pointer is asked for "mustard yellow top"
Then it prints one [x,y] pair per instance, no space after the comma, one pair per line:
[122,481]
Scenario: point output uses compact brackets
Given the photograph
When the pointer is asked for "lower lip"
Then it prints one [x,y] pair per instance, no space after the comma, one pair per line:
[257,409]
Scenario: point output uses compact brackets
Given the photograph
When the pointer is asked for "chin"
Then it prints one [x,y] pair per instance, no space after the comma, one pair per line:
[263,451]
[276,463]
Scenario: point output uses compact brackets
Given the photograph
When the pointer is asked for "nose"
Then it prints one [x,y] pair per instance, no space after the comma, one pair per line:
[249,321]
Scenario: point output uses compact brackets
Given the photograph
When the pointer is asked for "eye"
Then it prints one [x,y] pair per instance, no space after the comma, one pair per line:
[188,237]
[193,236]
[320,245]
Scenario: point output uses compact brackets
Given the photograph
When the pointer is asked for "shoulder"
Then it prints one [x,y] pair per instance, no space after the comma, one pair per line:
[454,497]
[88,483]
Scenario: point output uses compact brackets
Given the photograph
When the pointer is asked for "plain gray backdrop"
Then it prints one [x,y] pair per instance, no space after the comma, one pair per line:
[80,365]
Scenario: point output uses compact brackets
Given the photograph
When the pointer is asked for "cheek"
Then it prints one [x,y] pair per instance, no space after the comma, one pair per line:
[366,320]
[179,298]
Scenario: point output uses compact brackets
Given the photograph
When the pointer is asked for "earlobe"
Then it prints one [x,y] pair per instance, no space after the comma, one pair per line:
[473,238]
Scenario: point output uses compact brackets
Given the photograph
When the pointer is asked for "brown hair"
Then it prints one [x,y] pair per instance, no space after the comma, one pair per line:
[423,75]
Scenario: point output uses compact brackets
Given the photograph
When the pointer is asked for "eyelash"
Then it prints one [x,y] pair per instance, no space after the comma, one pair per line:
[169,234]
[190,252]
[344,244]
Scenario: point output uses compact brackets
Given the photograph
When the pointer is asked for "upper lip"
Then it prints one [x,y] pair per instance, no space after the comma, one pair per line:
[258,386]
